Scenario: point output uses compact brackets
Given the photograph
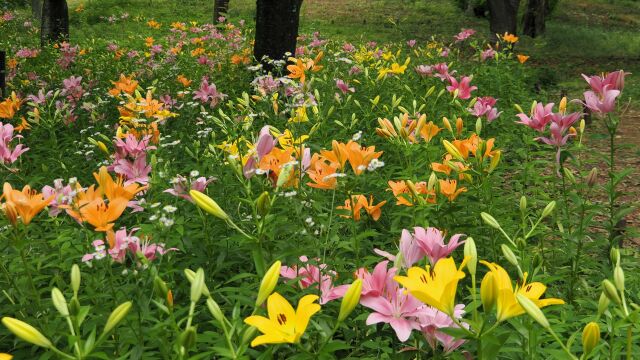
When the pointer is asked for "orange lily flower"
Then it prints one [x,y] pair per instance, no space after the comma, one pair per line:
[360,156]
[124,84]
[449,189]
[27,203]
[361,202]
[322,173]
[297,70]
[337,155]
[115,189]
[429,131]
[183,80]
[9,106]
[274,161]
[448,165]
[522,58]
[102,216]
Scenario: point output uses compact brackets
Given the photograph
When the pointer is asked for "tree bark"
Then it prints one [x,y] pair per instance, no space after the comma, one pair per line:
[503,15]
[276,29]
[534,18]
[36,9]
[55,22]
[220,7]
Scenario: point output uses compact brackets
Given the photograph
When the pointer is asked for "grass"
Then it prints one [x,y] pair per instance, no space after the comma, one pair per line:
[584,36]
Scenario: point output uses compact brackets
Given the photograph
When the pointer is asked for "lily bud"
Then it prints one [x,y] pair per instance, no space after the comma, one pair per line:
[523,203]
[471,252]
[188,337]
[59,302]
[447,125]
[611,292]
[102,147]
[490,220]
[583,124]
[285,175]
[618,278]
[191,275]
[603,303]
[75,279]
[170,298]
[160,287]
[533,310]
[208,204]
[478,126]
[26,332]
[215,310]
[592,177]
[459,126]
[197,285]
[433,180]
[569,175]
[10,212]
[509,255]
[488,292]
[263,204]
[350,300]
[495,160]
[614,255]
[563,105]
[452,150]
[519,108]
[117,315]
[590,337]
[548,209]
[269,282]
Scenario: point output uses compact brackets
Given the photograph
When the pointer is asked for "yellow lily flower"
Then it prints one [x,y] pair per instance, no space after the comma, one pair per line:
[435,287]
[284,325]
[505,296]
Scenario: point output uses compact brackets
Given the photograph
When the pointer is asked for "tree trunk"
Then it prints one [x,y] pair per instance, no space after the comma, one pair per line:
[534,18]
[36,9]
[503,15]
[55,22]
[220,8]
[276,29]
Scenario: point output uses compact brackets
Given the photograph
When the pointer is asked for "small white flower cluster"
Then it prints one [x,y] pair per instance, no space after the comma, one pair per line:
[163,216]
[357,136]
[375,164]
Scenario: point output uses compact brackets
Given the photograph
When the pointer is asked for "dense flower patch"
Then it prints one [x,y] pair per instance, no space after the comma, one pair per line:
[345,204]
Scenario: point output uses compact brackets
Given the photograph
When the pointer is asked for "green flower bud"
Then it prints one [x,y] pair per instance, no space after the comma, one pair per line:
[117,315]
[471,252]
[618,278]
[197,285]
[75,279]
[263,204]
[59,302]
[548,209]
[611,292]
[533,311]
[490,220]
[26,332]
[590,337]
[350,300]
[509,255]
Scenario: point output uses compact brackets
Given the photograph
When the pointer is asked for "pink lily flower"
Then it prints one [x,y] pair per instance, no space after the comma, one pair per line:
[431,242]
[373,284]
[432,320]
[124,243]
[411,43]
[462,87]
[488,54]
[603,102]
[266,142]
[132,147]
[484,106]
[133,171]
[208,93]
[181,186]
[424,70]
[394,306]
[615,81]
[311,275]
[63,195]
[464,34]
[344,87]
[7,154]
[539,119]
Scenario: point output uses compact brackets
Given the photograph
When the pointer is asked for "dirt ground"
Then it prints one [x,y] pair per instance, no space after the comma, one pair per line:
[627,156]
